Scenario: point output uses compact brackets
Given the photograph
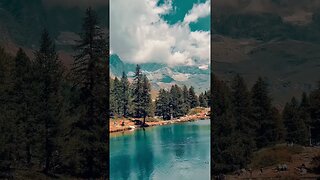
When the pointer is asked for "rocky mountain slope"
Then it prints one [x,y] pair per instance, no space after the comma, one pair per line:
[254,41]
[163,76]
[21,23]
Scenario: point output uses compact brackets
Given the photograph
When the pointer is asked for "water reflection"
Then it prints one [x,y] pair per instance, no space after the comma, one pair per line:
[143,155]
[180,151]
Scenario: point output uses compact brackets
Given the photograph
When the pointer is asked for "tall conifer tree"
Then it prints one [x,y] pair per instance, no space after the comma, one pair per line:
[91,78]
[305,115]
[176,101]
[23,97]
[7,123]
[186,100]
[262,114]
[163,104]
[125,95]
[48,75]
[146,98]
[194,101]
[244,126]
[296,129]
[202,100]
[315,113]
[223,125]
[137,93]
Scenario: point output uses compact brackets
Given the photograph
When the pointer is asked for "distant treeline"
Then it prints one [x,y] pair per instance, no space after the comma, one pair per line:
[134,99]
[245,121]
[51,120]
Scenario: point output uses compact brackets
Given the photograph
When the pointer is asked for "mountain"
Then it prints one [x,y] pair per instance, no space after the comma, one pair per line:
[21,23]
[163,76]
[116,66]
[275,39]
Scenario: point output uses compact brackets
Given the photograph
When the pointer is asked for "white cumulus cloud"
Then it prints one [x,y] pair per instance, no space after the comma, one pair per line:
[138,34]
[198,11]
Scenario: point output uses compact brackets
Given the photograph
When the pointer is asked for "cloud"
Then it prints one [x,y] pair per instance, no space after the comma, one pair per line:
[138,34]
[163,9]
[198,11]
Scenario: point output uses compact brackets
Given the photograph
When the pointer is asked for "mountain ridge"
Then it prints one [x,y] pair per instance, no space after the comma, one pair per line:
[163,76]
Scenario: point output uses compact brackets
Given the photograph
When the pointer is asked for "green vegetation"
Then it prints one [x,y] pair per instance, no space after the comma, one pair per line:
[195,111]
[53,123]
[245,122]
[134,99]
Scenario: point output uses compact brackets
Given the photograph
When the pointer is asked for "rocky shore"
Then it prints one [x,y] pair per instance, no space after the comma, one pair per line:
[116,125]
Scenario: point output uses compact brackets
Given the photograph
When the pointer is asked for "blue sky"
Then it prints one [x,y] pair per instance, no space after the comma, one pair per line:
[181,8]
[173,32]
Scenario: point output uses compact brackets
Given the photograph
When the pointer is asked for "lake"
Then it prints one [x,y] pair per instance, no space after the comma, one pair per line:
[176,151]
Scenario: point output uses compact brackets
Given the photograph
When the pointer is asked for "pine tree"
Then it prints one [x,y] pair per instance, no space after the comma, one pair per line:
[137,92]
[125,95]
[112,98]
[146,101]
[117,93]
[22,101]
[163,104]
[304,113]
[176,101]
[296,129]
[90,77]
[209,98]
[315,114]
[48,71]
[262,114]
[202,100]
[7,123]
[194,102]
[186,100]
[241,111]
[280,130]
[222,128]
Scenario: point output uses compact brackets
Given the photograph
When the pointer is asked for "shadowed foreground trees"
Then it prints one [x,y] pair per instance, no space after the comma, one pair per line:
[53,121]
[88,136]
[244,122]
[47,78]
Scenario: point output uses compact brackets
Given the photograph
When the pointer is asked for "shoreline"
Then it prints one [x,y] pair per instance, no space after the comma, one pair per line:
[129,125]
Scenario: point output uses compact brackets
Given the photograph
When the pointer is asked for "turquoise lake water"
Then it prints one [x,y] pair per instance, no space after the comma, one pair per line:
[178,151]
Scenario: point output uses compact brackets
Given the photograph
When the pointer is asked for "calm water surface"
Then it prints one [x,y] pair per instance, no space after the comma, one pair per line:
[178,151]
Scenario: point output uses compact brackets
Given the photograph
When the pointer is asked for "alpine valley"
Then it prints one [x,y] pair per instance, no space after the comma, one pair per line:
[163,76]
[274,39]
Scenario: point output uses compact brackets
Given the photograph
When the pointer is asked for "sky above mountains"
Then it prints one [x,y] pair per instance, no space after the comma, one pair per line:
[171,32]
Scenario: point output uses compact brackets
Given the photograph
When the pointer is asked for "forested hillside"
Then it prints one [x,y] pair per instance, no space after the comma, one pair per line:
[53,122]
[245,120]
